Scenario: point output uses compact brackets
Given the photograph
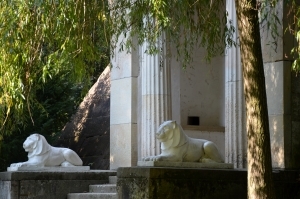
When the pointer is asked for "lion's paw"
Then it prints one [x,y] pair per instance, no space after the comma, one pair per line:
[17,165]
[157,158]
[153,158]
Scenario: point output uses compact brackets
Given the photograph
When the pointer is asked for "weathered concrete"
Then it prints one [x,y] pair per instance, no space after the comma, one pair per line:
[100,191]
[48,185]
[112,179]
[169,183]
[103,188]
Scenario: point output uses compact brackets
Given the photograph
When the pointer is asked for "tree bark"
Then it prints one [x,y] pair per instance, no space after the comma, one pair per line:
[260,183]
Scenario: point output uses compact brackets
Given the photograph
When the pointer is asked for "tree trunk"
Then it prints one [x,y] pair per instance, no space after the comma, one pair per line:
[260,184]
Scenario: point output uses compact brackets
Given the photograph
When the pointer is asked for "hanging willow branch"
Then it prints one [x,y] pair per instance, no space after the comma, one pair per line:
[294,29]
[188,24]
[40,39]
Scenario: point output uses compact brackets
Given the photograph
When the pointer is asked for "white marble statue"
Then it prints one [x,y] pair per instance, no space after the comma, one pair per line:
[176,146]
[41,154]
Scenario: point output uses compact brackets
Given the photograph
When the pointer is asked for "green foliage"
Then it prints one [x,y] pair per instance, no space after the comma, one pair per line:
[191,24]
[50,53]
[294,29]
[54,105]
[188,24]
[269,18]
[41,40]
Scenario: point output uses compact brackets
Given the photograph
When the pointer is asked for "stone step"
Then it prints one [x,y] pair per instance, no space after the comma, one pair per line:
[112,180]
[92,196]
[103,188]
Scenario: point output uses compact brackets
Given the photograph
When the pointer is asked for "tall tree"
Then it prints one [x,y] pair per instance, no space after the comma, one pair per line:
[260,183]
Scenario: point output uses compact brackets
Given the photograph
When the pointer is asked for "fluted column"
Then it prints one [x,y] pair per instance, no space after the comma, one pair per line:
[235,123]
[156,98]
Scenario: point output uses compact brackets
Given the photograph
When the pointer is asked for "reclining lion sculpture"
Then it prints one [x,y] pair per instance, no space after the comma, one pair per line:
[176,146]
[41,154]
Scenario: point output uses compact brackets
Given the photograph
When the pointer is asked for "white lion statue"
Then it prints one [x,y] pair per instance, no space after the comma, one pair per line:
[176,146]
[41,154]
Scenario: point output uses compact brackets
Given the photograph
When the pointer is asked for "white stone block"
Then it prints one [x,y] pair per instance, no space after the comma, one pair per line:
[123,145]
[284,41]
[124,64]
[275,82]
[175,90]
[280,136]
[123,98]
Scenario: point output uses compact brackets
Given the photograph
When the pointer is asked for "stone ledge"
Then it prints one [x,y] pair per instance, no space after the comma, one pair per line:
[204,128]
[66,169]
[184,164]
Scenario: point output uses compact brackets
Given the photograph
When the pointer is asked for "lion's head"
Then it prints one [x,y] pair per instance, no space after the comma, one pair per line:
[36,144]
[170,134]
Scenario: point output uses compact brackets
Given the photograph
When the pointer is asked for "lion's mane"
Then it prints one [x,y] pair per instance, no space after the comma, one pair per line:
[171,135]
[40,146]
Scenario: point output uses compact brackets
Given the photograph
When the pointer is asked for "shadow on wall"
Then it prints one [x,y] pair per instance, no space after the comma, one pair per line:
[88,131]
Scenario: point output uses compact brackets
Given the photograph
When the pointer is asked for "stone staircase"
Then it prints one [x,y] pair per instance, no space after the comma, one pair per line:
[101,191]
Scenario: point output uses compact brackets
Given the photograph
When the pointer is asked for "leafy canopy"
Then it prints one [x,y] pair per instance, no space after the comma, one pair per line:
[294,29]
[188,24]
[40,39]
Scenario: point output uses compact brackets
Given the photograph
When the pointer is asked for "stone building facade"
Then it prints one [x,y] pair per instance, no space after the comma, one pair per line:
[206,99]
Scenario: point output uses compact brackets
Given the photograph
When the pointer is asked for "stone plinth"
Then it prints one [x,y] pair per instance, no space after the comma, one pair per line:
[184,164]
[49,185]
[170,183]
[65,169]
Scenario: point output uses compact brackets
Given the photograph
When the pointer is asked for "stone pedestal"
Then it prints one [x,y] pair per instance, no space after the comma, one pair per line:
[185,164]
[53,169]
[49,185]
[235,122]
[183,183]
[155,97]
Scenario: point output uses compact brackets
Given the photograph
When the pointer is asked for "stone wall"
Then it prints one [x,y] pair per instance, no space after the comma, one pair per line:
[183,183]
[88,132]
[198,90]
[48,185]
